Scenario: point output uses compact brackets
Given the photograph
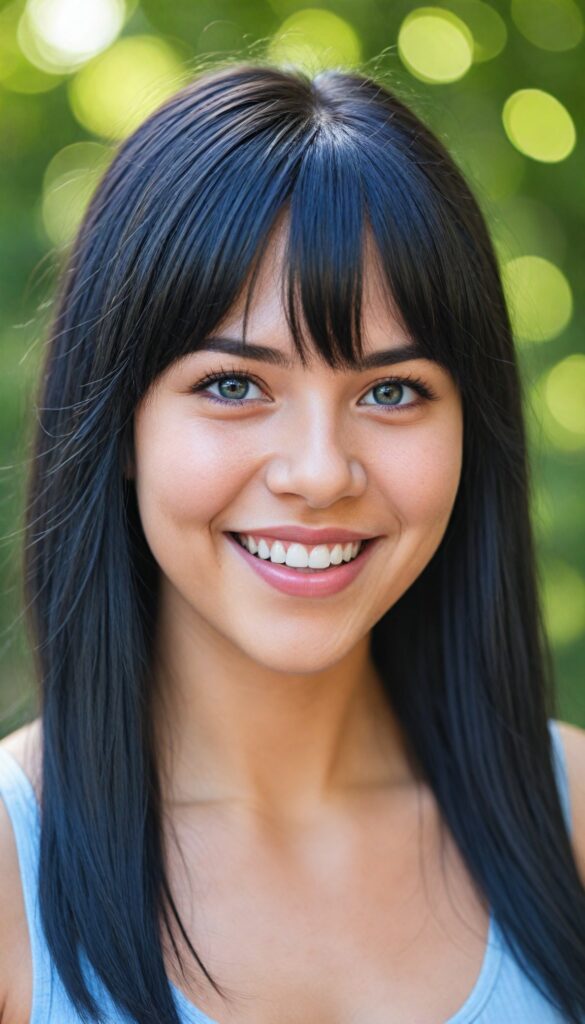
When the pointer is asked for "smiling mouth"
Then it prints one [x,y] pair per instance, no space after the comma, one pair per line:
[305,569]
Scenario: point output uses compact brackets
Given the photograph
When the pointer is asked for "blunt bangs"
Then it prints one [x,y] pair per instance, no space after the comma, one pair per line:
[194,197]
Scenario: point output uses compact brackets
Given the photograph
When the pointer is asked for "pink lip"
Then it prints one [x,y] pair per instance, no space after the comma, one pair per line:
[305,535]
[315,584]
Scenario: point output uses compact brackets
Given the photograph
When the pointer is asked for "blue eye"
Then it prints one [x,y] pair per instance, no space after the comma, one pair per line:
[390,390]
[236,388]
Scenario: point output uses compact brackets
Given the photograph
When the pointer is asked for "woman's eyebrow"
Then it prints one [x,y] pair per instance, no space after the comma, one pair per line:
[262,353]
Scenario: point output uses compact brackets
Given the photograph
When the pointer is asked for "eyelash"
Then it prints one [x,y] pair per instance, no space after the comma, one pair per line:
[424,390]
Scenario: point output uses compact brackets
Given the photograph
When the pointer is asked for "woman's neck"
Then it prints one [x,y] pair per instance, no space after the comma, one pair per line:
[229,729]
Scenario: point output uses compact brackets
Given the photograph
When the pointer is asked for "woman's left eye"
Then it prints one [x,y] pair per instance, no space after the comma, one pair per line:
[392,390]
[389,391]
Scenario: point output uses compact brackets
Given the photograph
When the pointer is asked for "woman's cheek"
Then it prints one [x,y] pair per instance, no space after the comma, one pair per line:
[193,472]
[421,475]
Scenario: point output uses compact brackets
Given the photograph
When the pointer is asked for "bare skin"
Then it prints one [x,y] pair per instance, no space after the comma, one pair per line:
[311,933]
[316,882]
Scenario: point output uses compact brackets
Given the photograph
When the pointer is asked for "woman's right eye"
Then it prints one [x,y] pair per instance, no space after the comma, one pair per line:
[235,388]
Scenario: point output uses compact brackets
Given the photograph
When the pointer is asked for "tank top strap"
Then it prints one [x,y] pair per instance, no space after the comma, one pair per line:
[50,1001]
[21,803]
[560,770]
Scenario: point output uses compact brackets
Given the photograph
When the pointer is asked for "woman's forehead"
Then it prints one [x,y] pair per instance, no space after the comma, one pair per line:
[265,291]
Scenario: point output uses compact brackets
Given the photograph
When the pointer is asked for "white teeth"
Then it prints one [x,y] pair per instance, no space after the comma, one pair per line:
[337,555]
[263,549]
[277,553]
[298,556]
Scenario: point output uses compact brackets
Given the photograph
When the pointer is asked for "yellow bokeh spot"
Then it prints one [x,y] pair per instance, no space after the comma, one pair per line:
[315,39]
[68,184]
[550,24]
[539,297]
[563,593]
[539,125]
[564,393]
[116,91]
[435,45]
[16,73]
[547,431]
[487,27]
[60,35]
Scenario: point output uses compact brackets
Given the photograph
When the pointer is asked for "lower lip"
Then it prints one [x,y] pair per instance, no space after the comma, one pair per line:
[310,584]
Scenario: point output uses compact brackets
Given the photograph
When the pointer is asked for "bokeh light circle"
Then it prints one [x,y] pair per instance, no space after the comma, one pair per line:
[116,91]
[16,72]
[564,393]
[68,184]
[61,35]
[539,125]
[315,39]
[548,431]
[563,593]
[435,45]
[487,27]
[555,25]
[539,297]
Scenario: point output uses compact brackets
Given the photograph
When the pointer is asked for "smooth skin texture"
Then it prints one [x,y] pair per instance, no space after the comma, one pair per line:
[314,884]
[272,700]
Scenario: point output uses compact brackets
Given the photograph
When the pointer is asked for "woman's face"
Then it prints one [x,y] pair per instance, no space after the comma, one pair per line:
[293,447]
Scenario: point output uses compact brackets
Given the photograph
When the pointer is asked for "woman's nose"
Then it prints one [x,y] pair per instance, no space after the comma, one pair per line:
[318,463]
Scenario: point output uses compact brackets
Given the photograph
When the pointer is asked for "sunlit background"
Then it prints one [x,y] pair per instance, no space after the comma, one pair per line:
[502,85]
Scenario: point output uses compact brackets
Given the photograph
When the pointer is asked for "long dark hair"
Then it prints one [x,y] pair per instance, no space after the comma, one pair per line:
[175,231]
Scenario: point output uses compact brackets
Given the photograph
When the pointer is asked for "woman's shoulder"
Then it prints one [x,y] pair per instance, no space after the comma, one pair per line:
[24,745]
[573,743]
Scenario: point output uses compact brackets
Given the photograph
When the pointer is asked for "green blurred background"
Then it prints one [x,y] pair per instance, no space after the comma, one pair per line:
[502,85]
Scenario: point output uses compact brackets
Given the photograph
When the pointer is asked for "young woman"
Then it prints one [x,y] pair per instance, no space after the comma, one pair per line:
[297,757]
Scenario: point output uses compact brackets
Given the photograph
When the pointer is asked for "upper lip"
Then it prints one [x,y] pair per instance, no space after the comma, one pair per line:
[306,535]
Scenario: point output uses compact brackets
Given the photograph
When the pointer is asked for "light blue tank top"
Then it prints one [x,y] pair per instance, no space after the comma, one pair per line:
[502,993]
